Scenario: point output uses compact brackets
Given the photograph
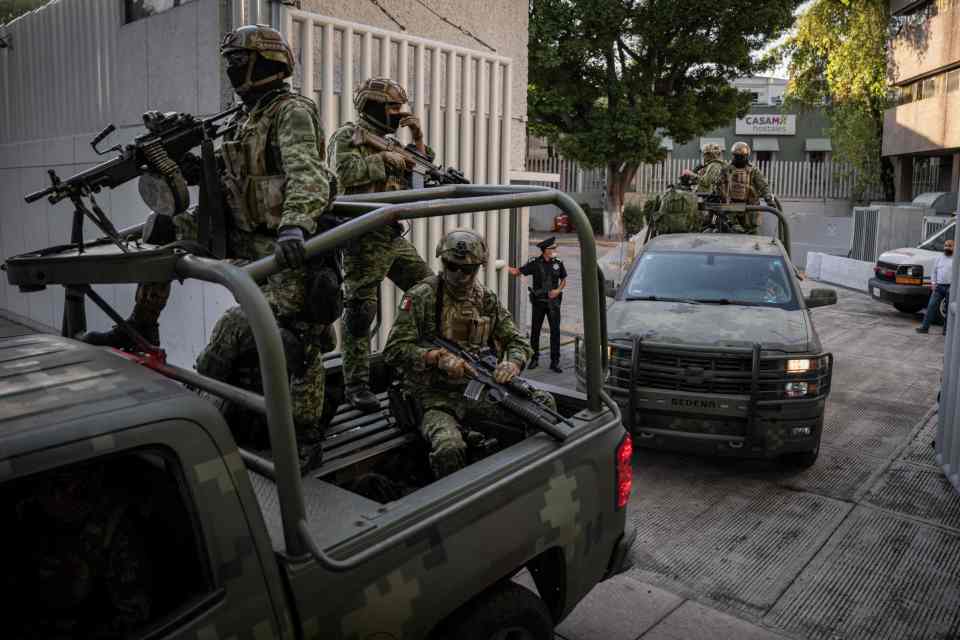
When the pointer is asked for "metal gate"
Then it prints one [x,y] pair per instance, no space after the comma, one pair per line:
[462,97]
[864,242]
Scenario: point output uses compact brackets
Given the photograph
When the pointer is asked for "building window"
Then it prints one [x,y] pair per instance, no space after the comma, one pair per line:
[764,156]
[755,97]
[930,87]
[816,157]
[953,81]
[137,9]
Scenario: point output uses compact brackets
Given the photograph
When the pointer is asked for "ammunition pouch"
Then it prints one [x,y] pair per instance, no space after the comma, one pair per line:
[404,407]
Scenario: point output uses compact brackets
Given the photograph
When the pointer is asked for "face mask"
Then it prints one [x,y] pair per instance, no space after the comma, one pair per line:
[459,277]
[739,161]
[393,120]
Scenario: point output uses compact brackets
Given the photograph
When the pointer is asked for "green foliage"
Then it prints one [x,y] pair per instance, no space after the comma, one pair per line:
[838,59]
[609,78]
[10,9]
[635,217]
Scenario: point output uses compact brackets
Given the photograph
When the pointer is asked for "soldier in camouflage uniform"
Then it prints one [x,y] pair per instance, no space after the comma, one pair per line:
[80,567]
[276,187]
[457,307]
[708,177]
[740,181]
[361,168]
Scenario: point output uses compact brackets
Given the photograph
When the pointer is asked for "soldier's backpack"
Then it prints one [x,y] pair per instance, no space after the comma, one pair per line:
[678,212]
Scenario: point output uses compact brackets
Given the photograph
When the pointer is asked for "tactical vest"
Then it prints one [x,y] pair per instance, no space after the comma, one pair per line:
[710,177]
[741,185]
[254,180]
[678,213]
[463,321]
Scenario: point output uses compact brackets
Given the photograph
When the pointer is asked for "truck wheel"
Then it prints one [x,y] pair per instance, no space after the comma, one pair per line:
[505,612]
[801,460]
[908,307]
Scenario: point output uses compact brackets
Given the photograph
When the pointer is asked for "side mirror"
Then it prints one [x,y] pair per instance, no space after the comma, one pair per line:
[609,289]
[821,298]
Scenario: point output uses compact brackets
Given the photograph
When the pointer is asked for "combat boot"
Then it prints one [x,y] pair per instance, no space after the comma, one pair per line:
[362,399]
[533,364]
[118,338]
[310,451]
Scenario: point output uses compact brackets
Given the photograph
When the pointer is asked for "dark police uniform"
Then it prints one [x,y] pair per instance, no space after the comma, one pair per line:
[546,277]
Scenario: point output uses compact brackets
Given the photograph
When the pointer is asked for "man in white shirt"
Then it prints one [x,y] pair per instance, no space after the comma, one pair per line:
[940,283]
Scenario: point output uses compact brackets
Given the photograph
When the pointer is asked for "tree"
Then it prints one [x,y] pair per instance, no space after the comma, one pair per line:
[838,60]
[610,78]
[10,9]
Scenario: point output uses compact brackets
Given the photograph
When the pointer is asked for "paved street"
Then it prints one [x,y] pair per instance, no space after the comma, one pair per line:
[865,544]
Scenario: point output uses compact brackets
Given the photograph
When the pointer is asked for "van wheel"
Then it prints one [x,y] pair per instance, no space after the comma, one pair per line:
[801,460]
[908,307]
[505,612]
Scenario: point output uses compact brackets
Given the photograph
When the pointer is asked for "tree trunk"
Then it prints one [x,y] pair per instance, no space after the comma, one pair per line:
[619,176]
[887,180]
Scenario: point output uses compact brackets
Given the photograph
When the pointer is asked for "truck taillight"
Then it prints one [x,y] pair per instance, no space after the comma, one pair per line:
[624,471]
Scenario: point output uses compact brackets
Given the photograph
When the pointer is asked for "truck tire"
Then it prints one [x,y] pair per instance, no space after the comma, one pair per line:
[799,460]
[504,612]
[908,307]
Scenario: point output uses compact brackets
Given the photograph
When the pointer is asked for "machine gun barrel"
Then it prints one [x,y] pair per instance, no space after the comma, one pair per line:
[422,163]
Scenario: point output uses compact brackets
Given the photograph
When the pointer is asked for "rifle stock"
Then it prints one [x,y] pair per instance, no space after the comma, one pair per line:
[422,164]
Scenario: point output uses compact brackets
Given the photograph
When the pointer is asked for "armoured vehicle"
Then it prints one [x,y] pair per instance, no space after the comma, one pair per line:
[712,349]
[230,543]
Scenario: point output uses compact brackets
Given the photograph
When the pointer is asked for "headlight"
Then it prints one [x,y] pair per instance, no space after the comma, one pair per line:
[801,365]
[795,389]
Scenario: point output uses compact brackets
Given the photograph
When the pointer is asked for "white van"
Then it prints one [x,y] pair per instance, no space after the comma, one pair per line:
[902,276]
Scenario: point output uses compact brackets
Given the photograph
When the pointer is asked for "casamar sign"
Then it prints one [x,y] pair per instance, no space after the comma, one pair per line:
[767,124]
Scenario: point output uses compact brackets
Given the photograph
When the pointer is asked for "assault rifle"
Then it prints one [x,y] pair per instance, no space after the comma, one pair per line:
[155,157]
[423,168]
[516,396]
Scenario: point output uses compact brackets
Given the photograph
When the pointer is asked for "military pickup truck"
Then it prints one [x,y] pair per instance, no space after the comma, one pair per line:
[712,349]
[129,505]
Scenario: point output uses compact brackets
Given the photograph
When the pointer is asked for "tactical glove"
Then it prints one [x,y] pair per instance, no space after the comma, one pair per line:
[505,372]
[456,368]
[395,163]
[290,252]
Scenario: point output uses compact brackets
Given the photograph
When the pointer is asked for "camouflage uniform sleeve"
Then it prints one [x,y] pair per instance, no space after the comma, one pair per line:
[127,575]
[760,186]
[403,349]
[513,346]
[308,188]
[353,169]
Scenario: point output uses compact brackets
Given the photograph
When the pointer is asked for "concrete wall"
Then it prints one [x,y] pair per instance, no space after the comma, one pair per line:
[852,274]
[169,61]
[928,45]
[815,225]
[498,26]
[928,125]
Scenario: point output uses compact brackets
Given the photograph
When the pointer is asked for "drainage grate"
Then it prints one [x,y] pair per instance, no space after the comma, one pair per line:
[745,549]
[922,492]
[880,577]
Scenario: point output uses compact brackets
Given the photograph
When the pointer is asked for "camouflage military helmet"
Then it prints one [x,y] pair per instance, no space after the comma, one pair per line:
[462,246]
[740,149]
[712,151]
[371,99]
[268,44]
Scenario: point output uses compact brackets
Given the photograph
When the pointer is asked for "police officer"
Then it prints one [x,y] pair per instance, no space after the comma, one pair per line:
[277,188]
[384,252]
[546,294]
[740,181]
[456,306]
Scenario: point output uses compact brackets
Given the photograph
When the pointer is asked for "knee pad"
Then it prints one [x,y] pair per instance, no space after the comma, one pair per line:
[358,316]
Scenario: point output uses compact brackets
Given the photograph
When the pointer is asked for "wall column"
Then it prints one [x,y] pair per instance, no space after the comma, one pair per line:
[903,178]
[955,182]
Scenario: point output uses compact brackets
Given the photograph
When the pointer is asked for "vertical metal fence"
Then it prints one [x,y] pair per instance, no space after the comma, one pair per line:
[462,97]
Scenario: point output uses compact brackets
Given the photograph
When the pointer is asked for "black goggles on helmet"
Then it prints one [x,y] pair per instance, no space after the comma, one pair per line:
[461,268]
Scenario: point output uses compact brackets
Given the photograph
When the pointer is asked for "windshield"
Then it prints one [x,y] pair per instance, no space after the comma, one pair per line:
[935,242]
[712,278]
